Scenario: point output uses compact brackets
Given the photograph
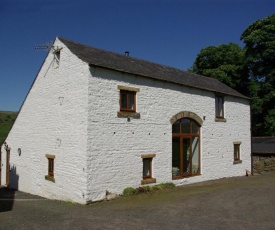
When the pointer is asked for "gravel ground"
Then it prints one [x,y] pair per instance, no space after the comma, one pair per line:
[233,203]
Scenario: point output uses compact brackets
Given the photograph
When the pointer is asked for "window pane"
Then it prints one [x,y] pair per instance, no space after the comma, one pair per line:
[236,152]
[195,127]
[186,156]
[195,155]
[175,157]
[51,167]
[217,106]
[131,101]
[176,127]
[220,106]
[185,126]
[146,167]
[123,100]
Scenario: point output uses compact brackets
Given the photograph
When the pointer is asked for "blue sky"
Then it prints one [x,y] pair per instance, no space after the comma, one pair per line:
[169,32]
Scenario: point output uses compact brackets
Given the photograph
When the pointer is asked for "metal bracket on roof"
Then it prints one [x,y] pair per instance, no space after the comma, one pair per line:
[56,49]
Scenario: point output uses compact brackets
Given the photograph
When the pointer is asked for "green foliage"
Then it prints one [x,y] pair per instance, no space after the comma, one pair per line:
[147,189]
[250,70]
[259,39]
[162,186]
[6,122]
[225,63]
[129,191]
[144,189]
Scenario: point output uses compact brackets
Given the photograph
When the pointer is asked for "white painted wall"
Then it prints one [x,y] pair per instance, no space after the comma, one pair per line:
[115,145]
[95,150]
[53,120]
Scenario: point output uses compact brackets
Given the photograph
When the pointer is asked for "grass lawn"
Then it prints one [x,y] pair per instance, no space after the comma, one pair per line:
[6,121]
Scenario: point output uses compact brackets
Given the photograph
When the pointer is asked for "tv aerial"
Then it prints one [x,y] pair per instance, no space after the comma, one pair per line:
[47,46]
[55,51]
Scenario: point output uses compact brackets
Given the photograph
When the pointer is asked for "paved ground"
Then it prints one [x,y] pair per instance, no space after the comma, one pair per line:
[235,203]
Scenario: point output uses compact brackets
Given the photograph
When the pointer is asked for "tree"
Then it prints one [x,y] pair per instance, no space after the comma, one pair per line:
[259,39]
[226,63]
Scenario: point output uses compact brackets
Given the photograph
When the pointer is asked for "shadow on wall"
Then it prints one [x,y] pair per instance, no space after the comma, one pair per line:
[7,194]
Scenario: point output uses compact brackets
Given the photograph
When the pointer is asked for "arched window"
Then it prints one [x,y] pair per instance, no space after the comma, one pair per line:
[185,148]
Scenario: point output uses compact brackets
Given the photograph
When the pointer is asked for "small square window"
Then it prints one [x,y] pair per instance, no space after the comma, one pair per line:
[127,101]
[219,108]
[50,175]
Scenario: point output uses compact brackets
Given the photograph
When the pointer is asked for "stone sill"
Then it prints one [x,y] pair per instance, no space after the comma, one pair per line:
[219,119]
[237,162]
[49,178]
[148,181]
[128,114]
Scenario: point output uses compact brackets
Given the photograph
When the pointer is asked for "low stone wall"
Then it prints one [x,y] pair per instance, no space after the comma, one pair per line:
[263,163]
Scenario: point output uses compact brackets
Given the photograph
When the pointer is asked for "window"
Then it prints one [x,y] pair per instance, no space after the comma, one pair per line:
[219,100]
[127,102]
[50,175]
[185,148]
[147,169]
[237,157]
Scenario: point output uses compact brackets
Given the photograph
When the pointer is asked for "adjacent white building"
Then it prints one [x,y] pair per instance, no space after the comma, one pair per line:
[96,121]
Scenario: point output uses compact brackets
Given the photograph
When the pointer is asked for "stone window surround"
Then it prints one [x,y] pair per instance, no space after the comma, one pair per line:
[148,180]
[128,114]
[239,161]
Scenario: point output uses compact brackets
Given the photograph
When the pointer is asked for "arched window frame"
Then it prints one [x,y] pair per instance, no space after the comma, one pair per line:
[181,171]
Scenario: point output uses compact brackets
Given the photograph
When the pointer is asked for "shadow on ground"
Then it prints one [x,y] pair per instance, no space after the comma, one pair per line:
[7,194]
[6,199]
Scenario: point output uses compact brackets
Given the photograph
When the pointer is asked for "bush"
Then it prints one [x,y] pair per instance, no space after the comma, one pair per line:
[144,189]
[129,191]
[164,186]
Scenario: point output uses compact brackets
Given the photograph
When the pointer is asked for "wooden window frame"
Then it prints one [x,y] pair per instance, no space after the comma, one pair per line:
[189,135]
[124,112]
[128,94]
[150,168]
[217,108]
[237,152]
[148,179]
[50,175]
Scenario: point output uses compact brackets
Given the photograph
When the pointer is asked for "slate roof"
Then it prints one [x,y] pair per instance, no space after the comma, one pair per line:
[263,145]
[131,65]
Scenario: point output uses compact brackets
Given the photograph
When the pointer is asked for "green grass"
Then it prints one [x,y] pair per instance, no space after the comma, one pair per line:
[6,121]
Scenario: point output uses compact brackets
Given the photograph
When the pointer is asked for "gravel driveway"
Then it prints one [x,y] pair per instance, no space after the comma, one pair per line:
[234,203]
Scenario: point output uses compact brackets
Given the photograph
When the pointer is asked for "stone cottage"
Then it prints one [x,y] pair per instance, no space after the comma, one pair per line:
[96,121]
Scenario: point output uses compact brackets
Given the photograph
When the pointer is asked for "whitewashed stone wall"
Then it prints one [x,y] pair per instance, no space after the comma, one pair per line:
[53,120]
[115,145]
[71,112]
